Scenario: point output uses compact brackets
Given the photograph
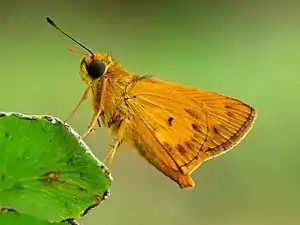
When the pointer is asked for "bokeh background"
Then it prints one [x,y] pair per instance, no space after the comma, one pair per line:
[246,49]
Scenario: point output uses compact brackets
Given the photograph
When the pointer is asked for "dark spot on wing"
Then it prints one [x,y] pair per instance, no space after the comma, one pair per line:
[170,120]
[230,114]
[167,146]
[190,145]
[216,131]
[181,149]
[196,127]
[192,113]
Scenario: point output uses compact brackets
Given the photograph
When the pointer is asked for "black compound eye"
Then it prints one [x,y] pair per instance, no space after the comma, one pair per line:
[96,69]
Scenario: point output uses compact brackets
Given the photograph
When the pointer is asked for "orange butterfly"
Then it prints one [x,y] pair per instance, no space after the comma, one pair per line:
[175,128]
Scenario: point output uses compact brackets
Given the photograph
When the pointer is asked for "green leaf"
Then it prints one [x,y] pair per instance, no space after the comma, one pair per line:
[14,218]
[46,170]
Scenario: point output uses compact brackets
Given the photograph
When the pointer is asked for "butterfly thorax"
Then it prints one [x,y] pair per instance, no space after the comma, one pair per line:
[109,88]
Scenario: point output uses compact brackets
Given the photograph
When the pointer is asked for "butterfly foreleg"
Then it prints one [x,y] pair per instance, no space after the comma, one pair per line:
[83,98]
[94,122]
[99,112]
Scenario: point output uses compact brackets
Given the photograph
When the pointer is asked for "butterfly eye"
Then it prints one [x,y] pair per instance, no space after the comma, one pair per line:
[96,69]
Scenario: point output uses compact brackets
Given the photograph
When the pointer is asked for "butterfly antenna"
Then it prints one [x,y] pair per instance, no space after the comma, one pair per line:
[51,22]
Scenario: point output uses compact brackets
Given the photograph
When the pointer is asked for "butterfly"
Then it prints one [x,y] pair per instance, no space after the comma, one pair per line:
[175,128]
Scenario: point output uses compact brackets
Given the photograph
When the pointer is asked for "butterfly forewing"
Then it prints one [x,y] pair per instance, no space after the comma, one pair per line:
[187,125]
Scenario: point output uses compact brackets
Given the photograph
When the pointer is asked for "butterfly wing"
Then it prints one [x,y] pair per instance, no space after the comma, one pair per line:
[179,127]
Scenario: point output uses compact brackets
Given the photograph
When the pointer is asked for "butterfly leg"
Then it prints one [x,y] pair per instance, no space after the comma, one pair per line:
[111,154]
[83,98]
[94,122]
[116,145]
[97,114]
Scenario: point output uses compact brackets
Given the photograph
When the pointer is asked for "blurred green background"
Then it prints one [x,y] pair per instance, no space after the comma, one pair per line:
[246,49]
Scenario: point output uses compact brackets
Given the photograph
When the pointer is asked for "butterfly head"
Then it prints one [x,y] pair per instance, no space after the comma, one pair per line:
[94,66]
